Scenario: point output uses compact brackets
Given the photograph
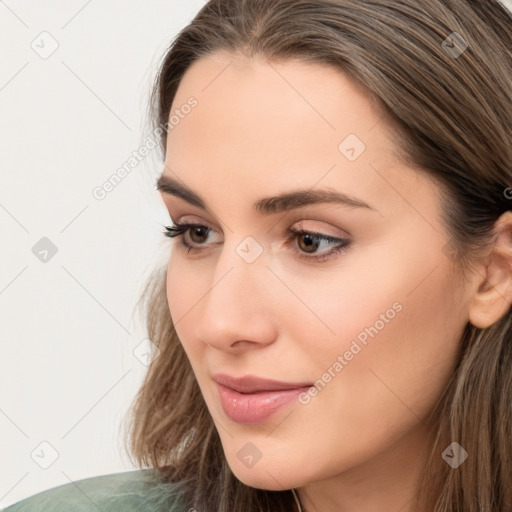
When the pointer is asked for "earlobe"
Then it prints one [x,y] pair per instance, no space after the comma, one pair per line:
[493,297]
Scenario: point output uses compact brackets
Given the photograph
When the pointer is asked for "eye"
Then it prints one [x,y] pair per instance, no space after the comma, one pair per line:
[309,241]
[193,230]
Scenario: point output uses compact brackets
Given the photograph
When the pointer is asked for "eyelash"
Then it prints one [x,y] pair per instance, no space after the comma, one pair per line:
[179,229]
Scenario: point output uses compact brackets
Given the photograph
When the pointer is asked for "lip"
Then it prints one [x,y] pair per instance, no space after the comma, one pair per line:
[253,384]
[251,399]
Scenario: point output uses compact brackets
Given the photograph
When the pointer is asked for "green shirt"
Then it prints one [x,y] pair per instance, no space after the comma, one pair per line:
[142,490]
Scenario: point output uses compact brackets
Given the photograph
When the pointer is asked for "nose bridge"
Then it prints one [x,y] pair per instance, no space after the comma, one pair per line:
[234,306]
[239,274]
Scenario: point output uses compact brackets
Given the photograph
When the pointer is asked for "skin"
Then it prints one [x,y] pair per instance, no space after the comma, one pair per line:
[260,129]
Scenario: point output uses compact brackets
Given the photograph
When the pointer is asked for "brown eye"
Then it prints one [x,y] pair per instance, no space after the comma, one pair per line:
[306,243]
[309,243]
[198,234]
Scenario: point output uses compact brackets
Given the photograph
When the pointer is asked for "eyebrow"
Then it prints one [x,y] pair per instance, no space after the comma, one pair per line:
[268,205]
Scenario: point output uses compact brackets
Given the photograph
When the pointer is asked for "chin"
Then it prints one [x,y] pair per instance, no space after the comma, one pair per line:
[261,477]
[263,480]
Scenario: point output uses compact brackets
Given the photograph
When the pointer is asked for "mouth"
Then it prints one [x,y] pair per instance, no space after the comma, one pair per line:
[251,399]
[251,384]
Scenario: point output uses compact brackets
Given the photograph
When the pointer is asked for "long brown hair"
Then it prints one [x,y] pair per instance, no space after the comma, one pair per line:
[451,109]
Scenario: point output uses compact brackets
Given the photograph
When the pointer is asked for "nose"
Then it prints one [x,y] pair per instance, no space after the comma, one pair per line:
[237,313]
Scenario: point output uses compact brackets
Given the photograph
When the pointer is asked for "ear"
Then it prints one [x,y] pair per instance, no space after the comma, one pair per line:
[493,298]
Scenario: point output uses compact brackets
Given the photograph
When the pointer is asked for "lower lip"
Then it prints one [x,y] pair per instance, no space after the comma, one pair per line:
[255,407]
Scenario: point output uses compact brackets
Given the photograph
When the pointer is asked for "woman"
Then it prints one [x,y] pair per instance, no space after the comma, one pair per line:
[333,326]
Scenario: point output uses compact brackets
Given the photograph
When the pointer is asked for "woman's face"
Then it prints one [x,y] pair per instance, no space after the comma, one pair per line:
[372,330]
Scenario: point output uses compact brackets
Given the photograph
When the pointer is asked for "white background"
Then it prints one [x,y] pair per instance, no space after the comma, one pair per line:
[68,327]
[68,373]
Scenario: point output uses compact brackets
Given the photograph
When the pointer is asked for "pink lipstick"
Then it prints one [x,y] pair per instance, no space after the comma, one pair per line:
[252,399]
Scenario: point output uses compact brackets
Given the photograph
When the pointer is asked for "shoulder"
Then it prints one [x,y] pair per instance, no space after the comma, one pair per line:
[133,491]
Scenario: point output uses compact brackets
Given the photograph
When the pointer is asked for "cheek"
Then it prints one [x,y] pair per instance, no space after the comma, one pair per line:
[396,326]
[394,348]
[392,327]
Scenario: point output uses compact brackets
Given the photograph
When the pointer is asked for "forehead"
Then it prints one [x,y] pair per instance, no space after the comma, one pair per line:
[266,126]
[301,98]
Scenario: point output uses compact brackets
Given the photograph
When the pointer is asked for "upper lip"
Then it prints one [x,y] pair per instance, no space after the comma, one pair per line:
[253,384]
